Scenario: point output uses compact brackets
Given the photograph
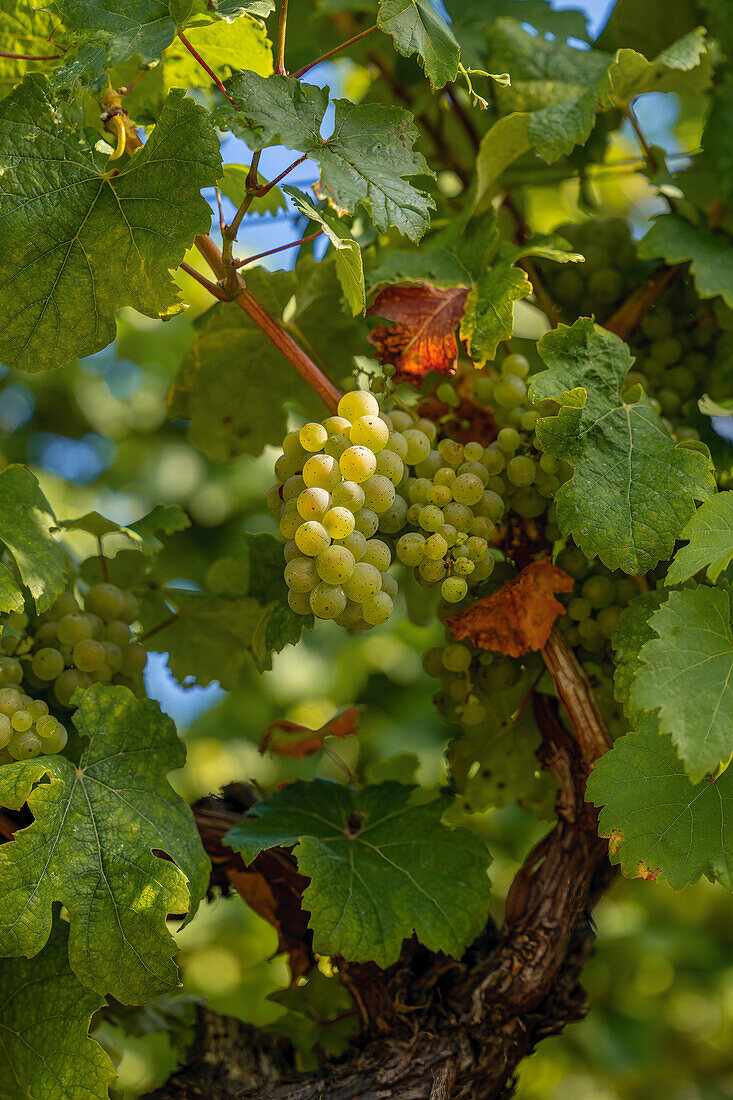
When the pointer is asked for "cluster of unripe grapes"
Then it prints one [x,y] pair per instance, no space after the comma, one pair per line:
[469,677]
[522,476]
[57,652]
[335,484]
[595,605]
[600,284]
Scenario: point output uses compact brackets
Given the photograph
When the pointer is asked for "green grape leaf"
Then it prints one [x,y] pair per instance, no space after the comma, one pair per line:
[489,314]
[710,255]
[347,254]
[80,242]
[556,91]
[45,1047]
[99,814]
[659,824]
[233,383]
[632,632]
[649,27]
[379,867]
[233,185]
[25,29]
[242,615]
[320,1013]
[710,546]
[633,489]
[416,27]
[470,18]
[687,672]
[26,525]
[357,168]
[11,594]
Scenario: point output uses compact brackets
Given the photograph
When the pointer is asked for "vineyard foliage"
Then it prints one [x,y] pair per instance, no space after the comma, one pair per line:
[504,432]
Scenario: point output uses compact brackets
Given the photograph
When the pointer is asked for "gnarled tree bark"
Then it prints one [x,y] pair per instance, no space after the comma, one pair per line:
[433,1028]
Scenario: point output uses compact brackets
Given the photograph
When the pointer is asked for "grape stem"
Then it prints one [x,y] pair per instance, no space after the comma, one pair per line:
[161,626]
[280,248]
[281,29]
[630,313]
[102,559]
[336,49]
[32,57]
[197,57]
[283,341]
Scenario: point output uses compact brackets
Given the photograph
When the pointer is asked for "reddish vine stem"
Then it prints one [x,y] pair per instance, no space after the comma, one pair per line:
[630,313]
[212,288]
[281,29]
[283,341]
[197,56]
[161,626]
[32,57]
[280,248]
[337,49]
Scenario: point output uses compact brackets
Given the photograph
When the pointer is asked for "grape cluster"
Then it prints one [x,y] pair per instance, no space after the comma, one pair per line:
[524,478]
[676,344]
[597,286]
[469,677]
[335,484]
[67,648]
[595,605]
[26,727]
[452,510]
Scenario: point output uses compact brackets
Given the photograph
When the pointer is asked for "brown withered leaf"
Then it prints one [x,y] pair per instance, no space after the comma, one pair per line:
[271,884]
[423,335]
[290,739]
[519,617]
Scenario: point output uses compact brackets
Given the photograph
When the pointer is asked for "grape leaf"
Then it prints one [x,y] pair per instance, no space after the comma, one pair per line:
[710,254]
[347,254]
[367,160]
[45,1011]
[687,672]
[379,867]
[233,383]
[489,313]
[518,617]
[660,826]
[556,91]
[416,27]
[633,489]
[80,242]
[98,816]
[632,632]
[470,18]
[233,185]
[710,546]
[26,523]
[242,614]
[11,594]
[422,336]
[24,29]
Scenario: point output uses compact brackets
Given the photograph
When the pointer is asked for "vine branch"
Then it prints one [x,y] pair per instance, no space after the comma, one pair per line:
[281,29]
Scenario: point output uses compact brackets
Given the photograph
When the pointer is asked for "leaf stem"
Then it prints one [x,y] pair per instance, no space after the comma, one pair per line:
[161,626]
[281,28]
[197,56]
[213,288]
[102,559]
[336,49]
[646,148]
[32,57]
[283,341]
[265,187]
[280,248]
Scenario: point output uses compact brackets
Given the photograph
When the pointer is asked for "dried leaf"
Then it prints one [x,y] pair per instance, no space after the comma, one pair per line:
[519,617]
[423,335]
[305,740]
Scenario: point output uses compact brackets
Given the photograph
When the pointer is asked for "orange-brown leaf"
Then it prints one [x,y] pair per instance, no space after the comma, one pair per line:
[423,335]
[290,739]
[519,617]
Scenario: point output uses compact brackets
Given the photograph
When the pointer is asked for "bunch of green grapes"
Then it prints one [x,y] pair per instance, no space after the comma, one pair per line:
[68,648]
[26,727]
[524,477]
[594,606]
[335,486]
[452,509]
[469,677]
[608,275]
[676,346]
